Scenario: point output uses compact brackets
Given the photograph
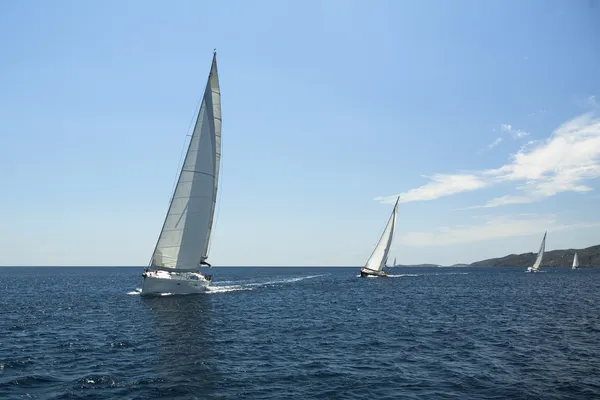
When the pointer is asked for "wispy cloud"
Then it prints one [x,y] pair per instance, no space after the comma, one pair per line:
[505,200]
[515,133]
[495,143]
[490,146]
[489,229]
[593,102]
[440,185]
[562,163]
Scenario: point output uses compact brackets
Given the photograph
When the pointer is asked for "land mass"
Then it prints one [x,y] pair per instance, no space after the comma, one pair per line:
[418,265]
[588,257]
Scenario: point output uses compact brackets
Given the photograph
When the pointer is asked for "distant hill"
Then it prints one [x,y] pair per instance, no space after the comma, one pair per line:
[589,257]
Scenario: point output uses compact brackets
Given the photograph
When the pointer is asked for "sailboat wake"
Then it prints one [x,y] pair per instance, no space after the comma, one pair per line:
[232,286]
[221,288]
[394,276]
[138,291]
[424,274]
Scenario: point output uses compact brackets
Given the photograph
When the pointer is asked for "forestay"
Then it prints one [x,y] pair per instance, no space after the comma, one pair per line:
[184,240]
[379,257]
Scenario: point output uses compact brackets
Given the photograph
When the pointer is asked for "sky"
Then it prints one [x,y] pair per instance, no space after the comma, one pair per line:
[482,116]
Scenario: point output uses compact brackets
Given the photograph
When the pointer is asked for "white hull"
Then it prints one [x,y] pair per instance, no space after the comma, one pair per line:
[159,282]
[531,270]
[365,272]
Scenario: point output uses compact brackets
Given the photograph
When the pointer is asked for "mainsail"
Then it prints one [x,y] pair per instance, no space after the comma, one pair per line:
[184,239]
[380,254]
[575,261]
[538,260]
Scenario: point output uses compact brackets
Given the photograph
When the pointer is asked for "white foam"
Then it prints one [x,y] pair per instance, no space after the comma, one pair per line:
[220,288]
[227,286]
[454,273]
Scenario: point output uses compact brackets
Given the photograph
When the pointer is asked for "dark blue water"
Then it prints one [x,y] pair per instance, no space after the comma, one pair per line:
[302,333]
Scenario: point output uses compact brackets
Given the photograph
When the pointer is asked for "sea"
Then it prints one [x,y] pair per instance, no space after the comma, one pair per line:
[302,333]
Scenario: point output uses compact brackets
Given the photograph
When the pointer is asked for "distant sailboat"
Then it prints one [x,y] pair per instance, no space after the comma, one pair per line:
[575,262]
[378,259]
[393,265]
[538,261]
[182,246]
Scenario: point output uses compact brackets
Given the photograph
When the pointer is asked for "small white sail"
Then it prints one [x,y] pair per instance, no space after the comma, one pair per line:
[394,262]
[538,260]
[576,261]
[184,239]
[380,254]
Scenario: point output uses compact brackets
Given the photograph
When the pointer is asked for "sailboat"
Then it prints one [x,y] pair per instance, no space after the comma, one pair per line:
[183,243]
[394,264]
[575,261]
[538,261]
[378,259]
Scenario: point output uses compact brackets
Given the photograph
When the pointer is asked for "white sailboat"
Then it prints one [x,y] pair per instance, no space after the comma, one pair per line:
[393,265]
[183,244]
[378,259]
[538,261]
[575,261]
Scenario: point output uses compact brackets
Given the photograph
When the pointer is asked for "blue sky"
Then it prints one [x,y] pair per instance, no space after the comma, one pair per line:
[481,115]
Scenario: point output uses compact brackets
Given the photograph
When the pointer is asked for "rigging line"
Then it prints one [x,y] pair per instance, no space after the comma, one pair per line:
[183,147]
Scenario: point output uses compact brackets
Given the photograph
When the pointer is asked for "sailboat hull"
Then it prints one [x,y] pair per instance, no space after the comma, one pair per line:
[368,273]
[162,282]
[531,270]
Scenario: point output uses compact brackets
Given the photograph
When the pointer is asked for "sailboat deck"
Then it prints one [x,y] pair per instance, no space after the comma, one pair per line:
[182,276]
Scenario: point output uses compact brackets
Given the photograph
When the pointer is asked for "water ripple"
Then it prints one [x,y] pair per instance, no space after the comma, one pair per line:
[274,333]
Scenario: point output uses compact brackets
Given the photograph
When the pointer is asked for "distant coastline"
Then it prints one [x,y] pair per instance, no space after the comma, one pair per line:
[588,257]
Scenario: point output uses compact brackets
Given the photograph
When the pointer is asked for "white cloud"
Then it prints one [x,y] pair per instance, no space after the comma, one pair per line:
[515,133]
[440,185]
[491,228]
[490,146]
[494,143]
[592,101]
[570,154]
[519,134]
[562,163]
[505,200]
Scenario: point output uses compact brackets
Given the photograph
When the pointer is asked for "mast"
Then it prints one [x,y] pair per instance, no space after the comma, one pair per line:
[184,238]
[217,122]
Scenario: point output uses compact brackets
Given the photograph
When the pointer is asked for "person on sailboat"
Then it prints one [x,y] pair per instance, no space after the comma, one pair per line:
[204,262]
